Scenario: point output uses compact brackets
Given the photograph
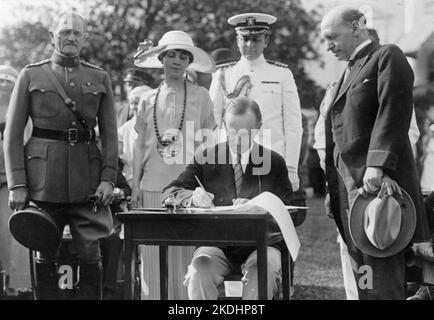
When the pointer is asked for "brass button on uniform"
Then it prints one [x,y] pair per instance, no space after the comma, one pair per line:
[74,123]
[72,84]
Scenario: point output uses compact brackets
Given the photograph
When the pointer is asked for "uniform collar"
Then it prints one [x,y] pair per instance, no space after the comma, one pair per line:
[65,61]
[253,63]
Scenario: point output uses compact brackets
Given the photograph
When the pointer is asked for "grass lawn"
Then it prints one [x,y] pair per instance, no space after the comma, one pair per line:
[318,272]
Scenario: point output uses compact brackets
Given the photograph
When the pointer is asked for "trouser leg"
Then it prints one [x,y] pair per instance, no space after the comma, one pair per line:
[250,274]
[90,281]
[376,278]
[111,256]
[207,270]
[87,229]
[46,279]
[347,271]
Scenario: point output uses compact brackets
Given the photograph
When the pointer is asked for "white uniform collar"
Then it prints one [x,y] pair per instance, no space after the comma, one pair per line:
[253,63]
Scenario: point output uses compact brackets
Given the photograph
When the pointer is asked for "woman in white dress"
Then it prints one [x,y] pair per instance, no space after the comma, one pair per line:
[170,126]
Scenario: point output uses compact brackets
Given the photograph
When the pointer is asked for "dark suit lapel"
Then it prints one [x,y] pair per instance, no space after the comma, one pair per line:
[365,55]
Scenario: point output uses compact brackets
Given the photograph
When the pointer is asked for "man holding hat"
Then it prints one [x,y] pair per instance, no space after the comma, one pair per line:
[269,83]
[61,167]
[367,146]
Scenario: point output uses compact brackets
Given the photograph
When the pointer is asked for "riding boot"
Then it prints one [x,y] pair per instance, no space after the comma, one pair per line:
[111,258]
[90,285]
[46,278]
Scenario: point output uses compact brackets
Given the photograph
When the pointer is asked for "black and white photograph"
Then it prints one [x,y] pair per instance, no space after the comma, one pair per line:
[234,151]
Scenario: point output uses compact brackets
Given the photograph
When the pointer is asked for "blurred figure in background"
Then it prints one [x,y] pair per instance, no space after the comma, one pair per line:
[426,160]
[135,78]
[127,135]
[14,258]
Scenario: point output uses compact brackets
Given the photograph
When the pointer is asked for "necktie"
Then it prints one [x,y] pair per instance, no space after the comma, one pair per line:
[348,68]
[238,174]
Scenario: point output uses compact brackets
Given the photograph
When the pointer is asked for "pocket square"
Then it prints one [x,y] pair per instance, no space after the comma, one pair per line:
[366,80]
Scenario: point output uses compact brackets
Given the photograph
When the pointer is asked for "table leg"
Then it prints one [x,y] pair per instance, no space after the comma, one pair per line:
[262,271]
[128,264]
[164,283]
[285,272]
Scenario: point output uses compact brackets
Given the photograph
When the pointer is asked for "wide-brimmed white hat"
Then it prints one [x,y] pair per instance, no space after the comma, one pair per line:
[147,56]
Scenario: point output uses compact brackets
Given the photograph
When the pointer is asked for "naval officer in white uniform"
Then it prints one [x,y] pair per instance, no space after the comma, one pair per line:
[271,84]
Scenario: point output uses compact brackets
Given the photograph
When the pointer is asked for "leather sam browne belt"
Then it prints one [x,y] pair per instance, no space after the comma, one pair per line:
[72,135]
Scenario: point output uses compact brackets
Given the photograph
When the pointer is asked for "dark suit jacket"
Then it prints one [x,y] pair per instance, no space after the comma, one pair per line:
[218,178]
[368,123]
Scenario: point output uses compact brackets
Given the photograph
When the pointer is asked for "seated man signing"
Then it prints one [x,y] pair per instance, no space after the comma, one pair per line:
[232,173]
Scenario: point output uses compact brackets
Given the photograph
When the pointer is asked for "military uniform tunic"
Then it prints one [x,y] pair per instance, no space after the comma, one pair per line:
[53,170]
[60,175]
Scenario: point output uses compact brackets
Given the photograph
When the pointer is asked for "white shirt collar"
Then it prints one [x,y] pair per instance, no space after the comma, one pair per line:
[245,157]
[358,48]
[253,63]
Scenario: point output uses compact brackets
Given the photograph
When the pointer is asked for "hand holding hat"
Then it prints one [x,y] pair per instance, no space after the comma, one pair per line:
[147,49]
[382,224]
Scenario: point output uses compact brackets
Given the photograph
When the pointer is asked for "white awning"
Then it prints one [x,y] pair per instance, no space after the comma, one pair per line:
[411,42]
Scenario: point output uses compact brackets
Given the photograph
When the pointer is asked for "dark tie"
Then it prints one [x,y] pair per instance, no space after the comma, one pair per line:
[348,69]
[238,174]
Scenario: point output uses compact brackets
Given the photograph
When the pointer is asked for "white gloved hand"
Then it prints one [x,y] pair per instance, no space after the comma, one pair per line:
[293,178]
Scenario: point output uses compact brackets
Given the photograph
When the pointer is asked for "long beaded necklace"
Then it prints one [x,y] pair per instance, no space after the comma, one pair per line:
[160,140]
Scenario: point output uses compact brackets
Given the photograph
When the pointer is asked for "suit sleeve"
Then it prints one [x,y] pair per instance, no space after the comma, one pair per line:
[108,134]
[395,83]
[182,187]
[292,126]
[17,116]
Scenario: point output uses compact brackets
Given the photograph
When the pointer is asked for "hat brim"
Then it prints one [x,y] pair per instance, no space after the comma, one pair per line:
[35,230]
[359,237]
[202,61]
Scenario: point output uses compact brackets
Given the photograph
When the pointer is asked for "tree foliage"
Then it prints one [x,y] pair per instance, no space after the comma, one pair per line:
[116,27]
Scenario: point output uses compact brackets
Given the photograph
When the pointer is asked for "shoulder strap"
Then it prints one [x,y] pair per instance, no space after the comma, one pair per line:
[68,101]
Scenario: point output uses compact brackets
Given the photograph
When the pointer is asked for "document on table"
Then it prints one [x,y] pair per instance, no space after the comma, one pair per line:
[266,202]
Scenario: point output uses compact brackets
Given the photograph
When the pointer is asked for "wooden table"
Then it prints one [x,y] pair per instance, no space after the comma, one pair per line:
[183,228]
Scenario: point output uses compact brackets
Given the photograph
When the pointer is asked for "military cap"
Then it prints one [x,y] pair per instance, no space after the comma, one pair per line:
[251,23]
[134,74]
[8,73]
[223,55]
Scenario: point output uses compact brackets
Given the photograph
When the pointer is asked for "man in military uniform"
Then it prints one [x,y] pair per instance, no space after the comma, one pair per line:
[61,165]
[271,84]
[135,78]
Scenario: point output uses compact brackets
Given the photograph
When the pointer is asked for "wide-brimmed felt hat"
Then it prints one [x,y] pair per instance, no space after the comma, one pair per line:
[35,229]
[147,56]
[382,225]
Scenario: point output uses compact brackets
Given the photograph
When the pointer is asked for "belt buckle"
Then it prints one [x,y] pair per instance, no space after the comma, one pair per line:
[72,136]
